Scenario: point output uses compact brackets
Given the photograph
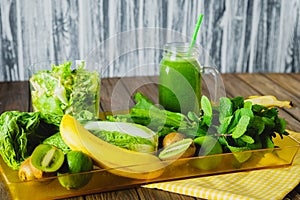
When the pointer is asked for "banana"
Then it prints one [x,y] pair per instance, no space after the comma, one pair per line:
[116,160]
[69,134]
[269,101]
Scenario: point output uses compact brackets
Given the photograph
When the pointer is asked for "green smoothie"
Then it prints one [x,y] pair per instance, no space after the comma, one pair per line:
[180,84]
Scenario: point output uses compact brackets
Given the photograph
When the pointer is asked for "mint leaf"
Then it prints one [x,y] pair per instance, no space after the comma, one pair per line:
[268,122]
[206,106]
[257,125]
[193,116]
[238,142]
[238,152]
[241,127]
[242,154]
[234,121]
[225,108]
[207,120]
[247,139]
[269,113]
[256,108]
[267,142]
[256,145]
[280,125]
[222,129]
[207,110]
[237,103]
[248,105]
[247,112]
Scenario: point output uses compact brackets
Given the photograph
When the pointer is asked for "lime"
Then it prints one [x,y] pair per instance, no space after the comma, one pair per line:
[208,146]
[69,174]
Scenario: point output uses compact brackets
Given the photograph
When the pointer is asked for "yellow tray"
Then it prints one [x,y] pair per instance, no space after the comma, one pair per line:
[102,180]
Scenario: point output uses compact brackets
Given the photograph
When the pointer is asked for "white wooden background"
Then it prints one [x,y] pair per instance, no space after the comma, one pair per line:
[125,37]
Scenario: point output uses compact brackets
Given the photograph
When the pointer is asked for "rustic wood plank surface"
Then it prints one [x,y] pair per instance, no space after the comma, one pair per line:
[15,96]
[239,36]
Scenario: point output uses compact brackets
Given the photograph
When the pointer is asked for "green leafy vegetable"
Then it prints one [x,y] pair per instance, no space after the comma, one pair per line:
[147,114]
[249,126]
[65,90]
[126,135]
[237,103]
[21,132]
[143,102]
[207,110]
[206,106]
[239,125]
[224,124]
[134,143]
[57,141]
[225,109]
[247,139]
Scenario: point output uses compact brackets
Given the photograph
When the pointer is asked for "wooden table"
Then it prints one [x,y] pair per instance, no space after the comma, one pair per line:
[15,96]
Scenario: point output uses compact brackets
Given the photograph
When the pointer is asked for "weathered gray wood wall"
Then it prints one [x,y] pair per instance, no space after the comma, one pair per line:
[239,35]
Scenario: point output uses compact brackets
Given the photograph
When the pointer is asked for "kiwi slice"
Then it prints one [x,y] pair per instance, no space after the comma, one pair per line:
[47,158]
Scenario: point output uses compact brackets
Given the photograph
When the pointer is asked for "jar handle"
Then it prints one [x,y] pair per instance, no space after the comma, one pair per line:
[218,90]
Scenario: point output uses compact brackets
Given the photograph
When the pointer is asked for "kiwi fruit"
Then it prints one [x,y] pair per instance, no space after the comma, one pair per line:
[47,158]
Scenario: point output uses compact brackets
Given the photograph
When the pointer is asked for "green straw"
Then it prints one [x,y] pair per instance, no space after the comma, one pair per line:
[196,31]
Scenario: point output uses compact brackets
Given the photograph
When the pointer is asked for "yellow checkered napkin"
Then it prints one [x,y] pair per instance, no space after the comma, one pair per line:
[257,184]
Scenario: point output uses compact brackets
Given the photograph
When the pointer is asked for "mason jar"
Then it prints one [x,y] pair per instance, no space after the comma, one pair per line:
[180,78]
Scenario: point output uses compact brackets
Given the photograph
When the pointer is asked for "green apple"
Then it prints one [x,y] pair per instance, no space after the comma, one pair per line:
[208,146]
